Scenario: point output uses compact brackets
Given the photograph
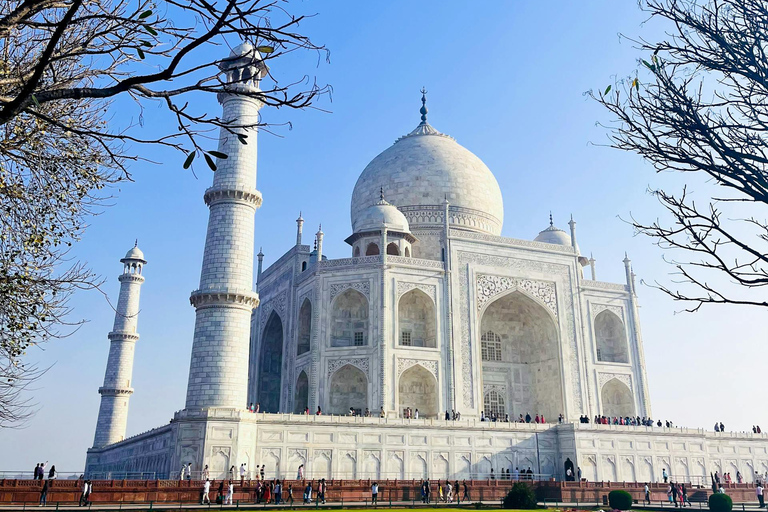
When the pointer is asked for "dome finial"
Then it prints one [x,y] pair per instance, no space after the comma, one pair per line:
[381,194]
[550,219]
[136,244]
[423,110]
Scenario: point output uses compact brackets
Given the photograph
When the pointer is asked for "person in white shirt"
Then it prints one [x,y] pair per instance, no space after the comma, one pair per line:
[647,494]
[759,494]
[230,493]
[300,473]
[374,493]
[449,492]
[206,490]
[242,473]
[183,470]
[416,415]
[206,474]
[188,471]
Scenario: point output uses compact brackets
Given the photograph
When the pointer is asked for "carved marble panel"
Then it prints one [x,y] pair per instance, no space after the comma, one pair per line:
[404,364]
[363,287]
[360,363]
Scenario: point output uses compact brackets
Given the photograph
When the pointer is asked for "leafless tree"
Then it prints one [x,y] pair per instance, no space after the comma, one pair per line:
[61,146]
[697,105]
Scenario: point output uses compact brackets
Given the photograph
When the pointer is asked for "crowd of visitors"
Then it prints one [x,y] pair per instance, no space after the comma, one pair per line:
[493,416]
[636,421]
[39,474]
[756,429]
[446,492]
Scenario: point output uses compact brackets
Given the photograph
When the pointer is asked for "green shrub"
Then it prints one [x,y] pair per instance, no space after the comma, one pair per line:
[521,496]
[720,503]
[620,500]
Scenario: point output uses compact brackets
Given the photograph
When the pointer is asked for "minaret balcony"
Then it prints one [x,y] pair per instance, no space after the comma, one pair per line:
[244,195]
[213,298]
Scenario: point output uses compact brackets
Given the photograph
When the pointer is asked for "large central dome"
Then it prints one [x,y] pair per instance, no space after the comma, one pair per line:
[423,169]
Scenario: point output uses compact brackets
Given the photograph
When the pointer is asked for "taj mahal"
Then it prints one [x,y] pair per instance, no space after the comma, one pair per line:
[433,311]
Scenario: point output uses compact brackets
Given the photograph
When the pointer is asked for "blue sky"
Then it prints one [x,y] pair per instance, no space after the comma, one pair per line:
[507,80]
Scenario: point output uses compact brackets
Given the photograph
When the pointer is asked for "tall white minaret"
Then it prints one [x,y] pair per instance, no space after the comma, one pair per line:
[117,390]
[218,371]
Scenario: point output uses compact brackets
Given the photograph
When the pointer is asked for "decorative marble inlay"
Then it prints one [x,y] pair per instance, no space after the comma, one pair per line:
[404,364]
[363,287]
[602,378]
[599,308]
[404,287]
[360,363]
[489,287]
[276,303]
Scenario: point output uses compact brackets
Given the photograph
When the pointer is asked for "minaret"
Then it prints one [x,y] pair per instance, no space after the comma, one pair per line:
[320,243]
[572,225]
[592,266]
[117,390]
[260,258]
[299,229]
[218,372]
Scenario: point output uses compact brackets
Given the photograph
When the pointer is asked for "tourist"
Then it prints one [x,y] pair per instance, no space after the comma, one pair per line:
[423,492]
[429,492]
[482,415]
[416,414]
[351,411]
[278,492]
[308,493]
[85,493]
[375,486]
[382,414]
[231,472]
[568,475]
[42,470]
[665,476]
[257,408]
[300,472]
[230,493]
[44,494]
[447,416]
[251,407]
[492,477]
[449,492]
[684,494]
[206,473]
[675,493]
[367,413]
[268,486]
[465,495]
[261,471]
[242,474]
[188,471]
[560,418]
[319,411]
[290,492]
[537,419]
[220,494]
[306,411]
[759,494]
[578,473]
[517,474]
[669,493]
[722,427]
[647,490]
[440,496]
[206,490]
[37,470]
[456,489]
[527,417]
[52,473]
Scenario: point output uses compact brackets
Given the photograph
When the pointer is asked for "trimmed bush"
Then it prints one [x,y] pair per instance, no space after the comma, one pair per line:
[720,502]
[620,500]
[521,496]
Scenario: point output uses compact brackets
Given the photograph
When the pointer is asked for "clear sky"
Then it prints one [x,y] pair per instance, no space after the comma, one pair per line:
[507,80]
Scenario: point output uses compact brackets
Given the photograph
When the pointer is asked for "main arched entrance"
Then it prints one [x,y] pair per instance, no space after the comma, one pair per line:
[520,354]
[271,364]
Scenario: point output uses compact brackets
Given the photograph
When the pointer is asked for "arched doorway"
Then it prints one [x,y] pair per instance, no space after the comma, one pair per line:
[349,320]
[418,390]
[392,249]
[611,338]
[372,249]
[305,328]
[520,354]
[271,364]
[349,388]
[617,399]
[301,396]
[416,319]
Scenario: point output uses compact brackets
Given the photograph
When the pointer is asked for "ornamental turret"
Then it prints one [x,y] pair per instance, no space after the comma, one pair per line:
[117,390]
[218,372]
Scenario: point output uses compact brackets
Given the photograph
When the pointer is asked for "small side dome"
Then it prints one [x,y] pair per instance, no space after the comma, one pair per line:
[134,254]
[380,215]
[553,235]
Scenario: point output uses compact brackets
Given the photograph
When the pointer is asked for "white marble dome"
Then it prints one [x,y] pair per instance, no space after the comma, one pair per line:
[134,254]
[380,214]
[553,235]
[423,169]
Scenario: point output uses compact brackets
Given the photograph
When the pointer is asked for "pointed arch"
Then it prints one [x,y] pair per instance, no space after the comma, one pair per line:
[349,319]
[372,249]
[416,320]
[417,389]
[611,338]
[349,388]
[305,327]
[301,396]
[356,252]
[393,249]
[521,337]
[271,364]
[617,399]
